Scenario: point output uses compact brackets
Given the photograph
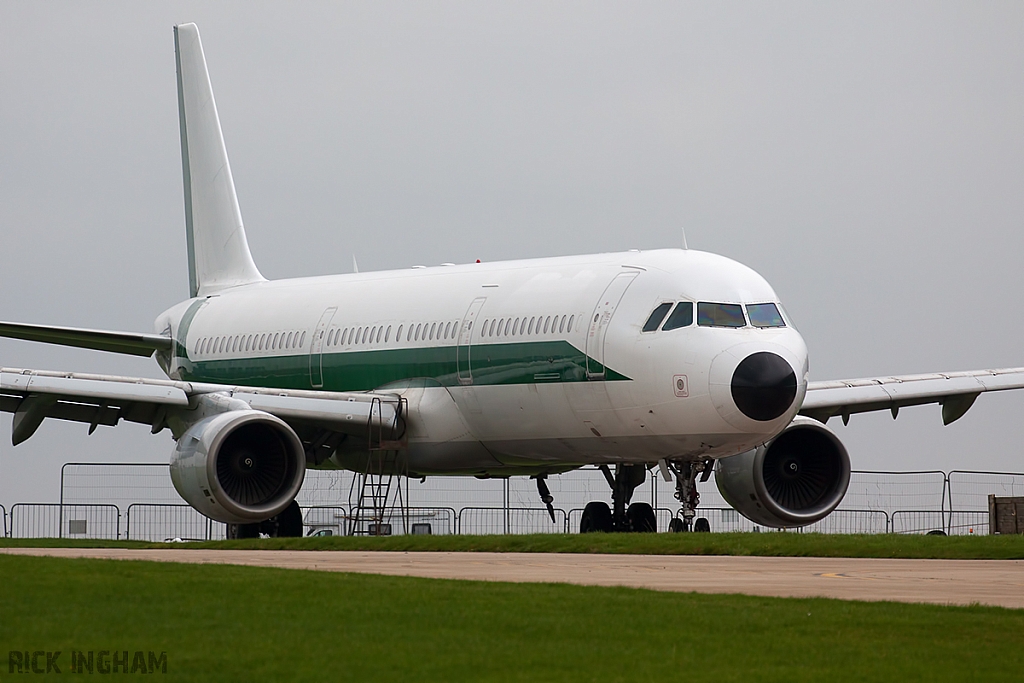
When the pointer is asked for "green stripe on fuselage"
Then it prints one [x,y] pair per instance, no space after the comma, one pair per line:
[516,363]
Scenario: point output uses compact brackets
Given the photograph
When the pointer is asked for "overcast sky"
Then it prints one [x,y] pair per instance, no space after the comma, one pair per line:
[866,158]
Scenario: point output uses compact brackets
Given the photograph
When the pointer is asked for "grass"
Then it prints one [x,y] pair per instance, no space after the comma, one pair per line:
[762,544]
[230,623]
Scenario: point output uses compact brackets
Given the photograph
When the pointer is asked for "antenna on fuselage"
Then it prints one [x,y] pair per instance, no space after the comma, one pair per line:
[355,266]
[684,239]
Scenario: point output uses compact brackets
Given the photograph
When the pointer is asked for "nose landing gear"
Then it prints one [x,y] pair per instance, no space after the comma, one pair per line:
[686,493]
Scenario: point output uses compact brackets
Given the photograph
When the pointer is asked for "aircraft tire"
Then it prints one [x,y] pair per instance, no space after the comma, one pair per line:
[702,526]
[235,531]
[642,518]
[597,516]
[677,526]
[288,524]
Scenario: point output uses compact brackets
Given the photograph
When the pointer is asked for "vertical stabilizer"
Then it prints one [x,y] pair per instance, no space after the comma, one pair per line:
[218,253]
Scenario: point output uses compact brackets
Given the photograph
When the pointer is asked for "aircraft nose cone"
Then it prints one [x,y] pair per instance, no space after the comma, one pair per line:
[763,386]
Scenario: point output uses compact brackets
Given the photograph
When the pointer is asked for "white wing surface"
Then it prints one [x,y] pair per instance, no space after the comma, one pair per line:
[106,400]
[954,391]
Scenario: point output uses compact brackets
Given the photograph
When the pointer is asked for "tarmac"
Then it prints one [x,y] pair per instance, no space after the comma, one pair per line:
[944,582]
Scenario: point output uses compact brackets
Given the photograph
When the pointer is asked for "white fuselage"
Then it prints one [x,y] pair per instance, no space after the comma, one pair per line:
[511,367]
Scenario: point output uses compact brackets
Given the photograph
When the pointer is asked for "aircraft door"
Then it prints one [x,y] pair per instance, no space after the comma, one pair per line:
[465,339]
[602,315]
[316,347]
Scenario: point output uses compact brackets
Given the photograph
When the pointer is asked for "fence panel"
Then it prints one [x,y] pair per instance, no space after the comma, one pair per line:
[969,491]
[473,521]
[851,522]
[318,519]
[918,521]
[968,523]
[3,512]
[53,520]
[167,522]
[725,519]
[896,491]
[442,520]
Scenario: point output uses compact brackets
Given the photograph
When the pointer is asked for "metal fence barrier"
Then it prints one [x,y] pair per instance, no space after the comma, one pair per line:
[94,494]
[919,521]
[968,523]
[53,520]
[330,520]
[440,520]
[479,520]
[3,513]
[851,522]
[168,522]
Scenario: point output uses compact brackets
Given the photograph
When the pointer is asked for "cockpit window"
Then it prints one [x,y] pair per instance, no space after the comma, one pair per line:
[765,315]
[720,315]
[682,316]
[656,317]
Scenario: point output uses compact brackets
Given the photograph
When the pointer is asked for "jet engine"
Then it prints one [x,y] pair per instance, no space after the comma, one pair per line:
[795,479]
[239,467]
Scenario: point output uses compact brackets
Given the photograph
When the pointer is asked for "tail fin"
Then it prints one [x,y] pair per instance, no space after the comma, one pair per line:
[218,253]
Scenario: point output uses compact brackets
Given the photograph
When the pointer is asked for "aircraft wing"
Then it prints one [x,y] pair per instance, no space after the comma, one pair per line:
[34,395]
[955,391]
[132,343]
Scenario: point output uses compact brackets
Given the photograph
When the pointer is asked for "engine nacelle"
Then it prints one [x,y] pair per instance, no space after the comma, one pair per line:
[239,467]
[795,479]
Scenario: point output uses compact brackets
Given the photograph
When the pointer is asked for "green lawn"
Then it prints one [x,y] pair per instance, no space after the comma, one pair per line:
[765,544]
[235,623]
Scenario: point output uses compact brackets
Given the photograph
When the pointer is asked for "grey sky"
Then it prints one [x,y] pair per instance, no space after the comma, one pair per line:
[866,158]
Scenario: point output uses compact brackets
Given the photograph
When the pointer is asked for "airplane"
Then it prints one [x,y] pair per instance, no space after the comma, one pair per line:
[674,359]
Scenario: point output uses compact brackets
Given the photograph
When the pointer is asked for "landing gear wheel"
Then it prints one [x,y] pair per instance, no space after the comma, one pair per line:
[642,518]
[936,532]
[288,524]
[702,526]
[235,531]
[677,526]
[597,516]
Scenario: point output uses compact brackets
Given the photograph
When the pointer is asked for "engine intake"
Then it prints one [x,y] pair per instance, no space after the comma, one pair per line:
[796,479]
[239,467]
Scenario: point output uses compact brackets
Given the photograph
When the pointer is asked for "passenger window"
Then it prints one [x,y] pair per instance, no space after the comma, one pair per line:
[682,316]
[657,315]
[568,327]
[720,315]
[765,315]
[302,339]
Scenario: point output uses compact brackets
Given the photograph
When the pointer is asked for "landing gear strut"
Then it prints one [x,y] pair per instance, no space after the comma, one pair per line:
[686,493]
[622,516]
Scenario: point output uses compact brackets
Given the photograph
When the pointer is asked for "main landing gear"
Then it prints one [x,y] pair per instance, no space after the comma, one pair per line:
[623,516]
[286,524]
[597,516]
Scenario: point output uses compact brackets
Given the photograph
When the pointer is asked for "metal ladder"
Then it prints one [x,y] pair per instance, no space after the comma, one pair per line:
[374,483]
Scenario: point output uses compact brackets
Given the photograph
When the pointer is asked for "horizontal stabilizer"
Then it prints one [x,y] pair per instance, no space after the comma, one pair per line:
[131,343]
